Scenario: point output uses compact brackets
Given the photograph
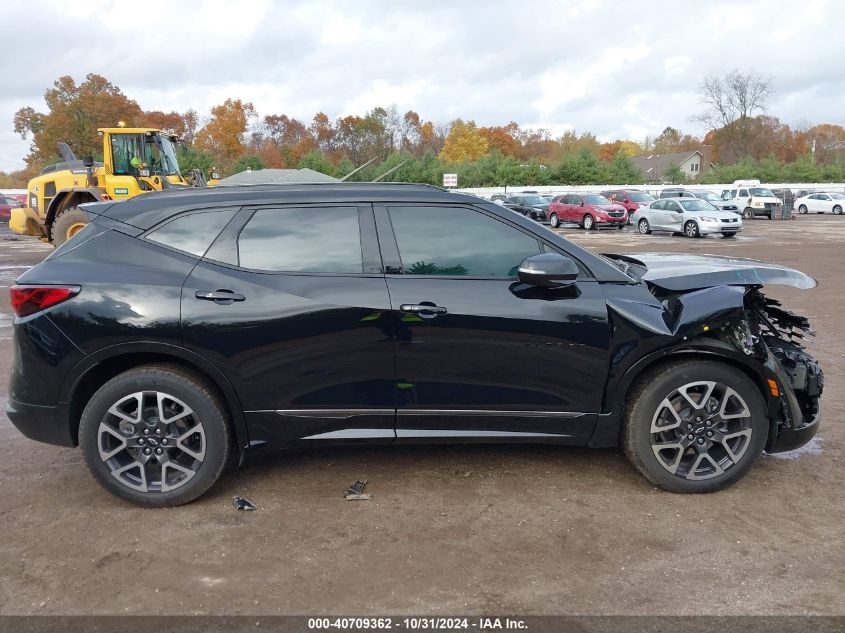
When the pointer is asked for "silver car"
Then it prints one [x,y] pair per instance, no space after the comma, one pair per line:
[691,216]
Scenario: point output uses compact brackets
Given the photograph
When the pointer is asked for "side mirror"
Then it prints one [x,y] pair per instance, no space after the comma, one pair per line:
[549,270]
[87,161]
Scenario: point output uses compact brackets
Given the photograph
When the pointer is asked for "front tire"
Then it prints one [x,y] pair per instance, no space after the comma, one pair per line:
[643,227]
[748,213]
[694,426]
[726,235]
[68,223]
[554,221]
[588,222]
[691,229]
[155,435]
[837,210]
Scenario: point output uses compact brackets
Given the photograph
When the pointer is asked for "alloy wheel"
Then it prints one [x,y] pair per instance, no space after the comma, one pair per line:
[691,229]
[588,222]
[643,226]
[700,430]
[151,442]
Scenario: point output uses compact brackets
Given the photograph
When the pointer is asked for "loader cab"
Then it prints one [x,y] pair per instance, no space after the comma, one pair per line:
[144,153]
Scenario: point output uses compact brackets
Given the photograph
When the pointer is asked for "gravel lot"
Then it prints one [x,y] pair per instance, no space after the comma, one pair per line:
[450,530]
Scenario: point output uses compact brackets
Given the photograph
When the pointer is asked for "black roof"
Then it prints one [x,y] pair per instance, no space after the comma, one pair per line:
[146,210]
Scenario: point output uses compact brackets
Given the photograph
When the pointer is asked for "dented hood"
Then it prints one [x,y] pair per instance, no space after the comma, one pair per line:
[679,272]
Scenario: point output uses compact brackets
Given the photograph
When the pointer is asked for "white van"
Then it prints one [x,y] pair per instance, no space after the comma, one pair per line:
[751,199]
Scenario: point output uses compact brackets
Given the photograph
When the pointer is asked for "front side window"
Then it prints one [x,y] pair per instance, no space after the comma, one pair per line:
[458,242]
[302,239]
[192,233]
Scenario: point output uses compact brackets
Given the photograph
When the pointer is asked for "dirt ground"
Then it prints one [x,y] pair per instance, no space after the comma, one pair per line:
[450,530]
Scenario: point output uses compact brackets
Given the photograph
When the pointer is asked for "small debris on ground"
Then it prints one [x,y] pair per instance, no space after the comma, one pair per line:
[242,503]
[355,491]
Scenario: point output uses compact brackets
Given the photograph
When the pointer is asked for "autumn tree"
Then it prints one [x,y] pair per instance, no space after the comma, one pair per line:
[671,140]
[503,139]
[464,142]
[183,124]
[825,143]
[730,104]
[224,134]
[74,112]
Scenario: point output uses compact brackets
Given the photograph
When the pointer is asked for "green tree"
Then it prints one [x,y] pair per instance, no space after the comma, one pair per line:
[245,162]
[674,175]
[316,160]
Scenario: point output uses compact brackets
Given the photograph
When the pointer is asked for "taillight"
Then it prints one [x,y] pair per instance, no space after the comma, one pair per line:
[28,300]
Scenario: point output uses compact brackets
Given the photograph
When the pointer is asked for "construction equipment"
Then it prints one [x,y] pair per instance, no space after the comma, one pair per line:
[135,161]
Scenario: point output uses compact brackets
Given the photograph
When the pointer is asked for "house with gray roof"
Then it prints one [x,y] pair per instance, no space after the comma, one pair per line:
[654,166]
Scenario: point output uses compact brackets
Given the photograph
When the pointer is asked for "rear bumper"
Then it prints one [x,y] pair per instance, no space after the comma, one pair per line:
[39,423]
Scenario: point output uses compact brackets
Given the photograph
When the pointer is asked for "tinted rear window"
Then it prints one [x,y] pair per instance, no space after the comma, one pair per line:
[307,239]
[192,233]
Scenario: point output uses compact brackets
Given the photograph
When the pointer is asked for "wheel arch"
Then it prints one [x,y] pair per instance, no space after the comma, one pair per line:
[70,198]
[609,425]
[93,372]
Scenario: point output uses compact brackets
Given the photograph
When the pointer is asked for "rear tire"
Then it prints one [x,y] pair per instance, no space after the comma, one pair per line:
[802,210]
[68,223]
[554,221]
[666,447]
[155,435]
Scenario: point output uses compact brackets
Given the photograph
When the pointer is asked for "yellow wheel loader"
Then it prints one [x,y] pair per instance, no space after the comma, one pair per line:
[135,161]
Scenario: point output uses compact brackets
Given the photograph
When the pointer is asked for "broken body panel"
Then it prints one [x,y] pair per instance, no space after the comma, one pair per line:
[714,304]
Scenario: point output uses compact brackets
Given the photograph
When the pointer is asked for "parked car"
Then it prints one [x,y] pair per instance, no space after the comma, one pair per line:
[691,216]
[821,203]
[498,196]
[531,205]
[752,200]
[589,210]
[631,199]
[186,329]
[710,196]
[7,203]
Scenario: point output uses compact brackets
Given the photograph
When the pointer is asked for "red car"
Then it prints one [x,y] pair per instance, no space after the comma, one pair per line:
[7,203]
[590,210]
[631,199]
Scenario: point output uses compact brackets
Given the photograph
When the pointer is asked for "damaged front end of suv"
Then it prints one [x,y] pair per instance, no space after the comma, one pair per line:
[716,304]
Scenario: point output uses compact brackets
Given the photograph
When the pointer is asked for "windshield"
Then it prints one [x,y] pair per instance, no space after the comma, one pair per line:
[761,192]
[592,199]
[707,195]
[534,200]
[134,154]
[642,198]
[838,196]
[167,155]
[695,204]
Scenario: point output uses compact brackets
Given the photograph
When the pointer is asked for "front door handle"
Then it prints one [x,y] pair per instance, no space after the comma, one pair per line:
[219,296]
[425,309]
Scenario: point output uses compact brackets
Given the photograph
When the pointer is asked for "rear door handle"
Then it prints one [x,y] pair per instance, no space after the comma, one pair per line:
[425,309]
[219,296]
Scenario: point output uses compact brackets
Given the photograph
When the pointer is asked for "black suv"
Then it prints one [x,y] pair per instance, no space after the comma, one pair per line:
[185,328]
[531,205]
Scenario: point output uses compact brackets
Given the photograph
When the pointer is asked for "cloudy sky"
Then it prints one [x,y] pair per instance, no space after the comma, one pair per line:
[618,69]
